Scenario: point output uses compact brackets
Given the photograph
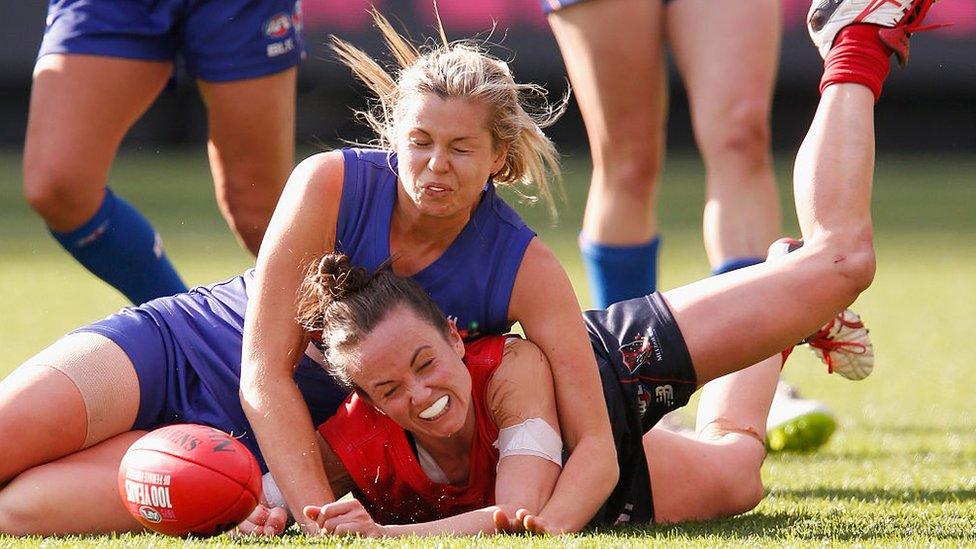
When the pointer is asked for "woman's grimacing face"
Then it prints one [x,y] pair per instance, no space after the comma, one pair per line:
[446,153]
[414,374]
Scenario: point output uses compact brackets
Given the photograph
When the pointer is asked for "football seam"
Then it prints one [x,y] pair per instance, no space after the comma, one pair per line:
[181,458]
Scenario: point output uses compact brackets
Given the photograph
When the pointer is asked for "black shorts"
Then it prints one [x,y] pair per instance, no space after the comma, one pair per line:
[646,372]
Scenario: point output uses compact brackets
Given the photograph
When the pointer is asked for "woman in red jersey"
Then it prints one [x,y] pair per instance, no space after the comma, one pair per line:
[436,406]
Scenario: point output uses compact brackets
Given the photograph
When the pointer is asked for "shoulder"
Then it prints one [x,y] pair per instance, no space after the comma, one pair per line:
[539,259]
[324,170]
[522,385]
[540,284]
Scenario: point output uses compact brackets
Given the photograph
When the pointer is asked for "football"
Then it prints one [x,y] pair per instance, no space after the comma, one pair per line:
[189,480]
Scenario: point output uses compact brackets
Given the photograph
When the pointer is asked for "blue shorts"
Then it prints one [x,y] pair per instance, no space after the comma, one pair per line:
[186,350]
[219,40]
[549,6]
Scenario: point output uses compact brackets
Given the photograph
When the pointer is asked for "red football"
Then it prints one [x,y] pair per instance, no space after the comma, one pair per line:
[189,479]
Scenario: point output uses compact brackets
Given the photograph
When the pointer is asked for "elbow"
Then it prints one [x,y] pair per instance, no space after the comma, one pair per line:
[253,391]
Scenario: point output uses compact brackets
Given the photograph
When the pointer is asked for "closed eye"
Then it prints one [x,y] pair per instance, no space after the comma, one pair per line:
[391,392]
[425,365]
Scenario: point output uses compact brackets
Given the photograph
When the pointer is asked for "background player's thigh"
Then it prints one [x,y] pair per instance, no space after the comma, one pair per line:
[81,106]
[693,479]
[76,494]
[251,148]
[727,52]
[76,393]
[614,56]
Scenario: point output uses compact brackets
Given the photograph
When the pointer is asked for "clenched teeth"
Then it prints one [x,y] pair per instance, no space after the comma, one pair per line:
[435,409]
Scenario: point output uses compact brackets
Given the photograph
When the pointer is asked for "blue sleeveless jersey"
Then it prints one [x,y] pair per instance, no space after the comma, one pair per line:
[186,348]
[472,281]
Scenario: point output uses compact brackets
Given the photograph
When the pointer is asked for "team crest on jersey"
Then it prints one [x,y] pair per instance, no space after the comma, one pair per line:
[278,25]
[637,352]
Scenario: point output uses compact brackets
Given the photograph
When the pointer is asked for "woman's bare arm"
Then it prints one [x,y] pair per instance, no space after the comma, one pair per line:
[544,303]
[520,389]
[303,227]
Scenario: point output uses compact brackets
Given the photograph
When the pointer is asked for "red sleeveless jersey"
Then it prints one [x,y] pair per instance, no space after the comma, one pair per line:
[389,480]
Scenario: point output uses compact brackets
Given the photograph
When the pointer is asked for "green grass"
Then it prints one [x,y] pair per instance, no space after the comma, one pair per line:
[900,470]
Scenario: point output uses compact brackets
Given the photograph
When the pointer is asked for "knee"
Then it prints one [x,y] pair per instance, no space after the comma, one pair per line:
[630,172]
[743,492]
[741,133]
[739,484]
[58,192]
[51,192]
[852,258]
[248,198]
[19,516]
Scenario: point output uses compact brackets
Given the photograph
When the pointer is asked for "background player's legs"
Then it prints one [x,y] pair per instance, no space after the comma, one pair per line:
[76,494]
[743,316]
[74,394]
[81,107]
[716,473]
[251,148]
[613,54]
[727,53]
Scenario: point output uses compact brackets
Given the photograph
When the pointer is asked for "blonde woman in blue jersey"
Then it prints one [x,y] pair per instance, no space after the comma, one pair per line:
[452,126]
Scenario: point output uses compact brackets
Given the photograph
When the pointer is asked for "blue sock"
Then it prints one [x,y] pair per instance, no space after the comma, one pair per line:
[119,246]
[737,263]
[617,273]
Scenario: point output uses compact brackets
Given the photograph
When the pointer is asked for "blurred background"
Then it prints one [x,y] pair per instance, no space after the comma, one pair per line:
[925,186]
[900,468]
[936,98]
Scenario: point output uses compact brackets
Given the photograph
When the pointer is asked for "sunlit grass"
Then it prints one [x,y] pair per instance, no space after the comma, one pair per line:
[900,470]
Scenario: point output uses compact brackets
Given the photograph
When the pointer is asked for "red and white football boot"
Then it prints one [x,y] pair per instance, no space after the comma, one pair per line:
[900,18]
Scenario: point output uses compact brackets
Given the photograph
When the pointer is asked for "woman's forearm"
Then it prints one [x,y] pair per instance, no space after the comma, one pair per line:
[471,523]
[283,427]
[588,477]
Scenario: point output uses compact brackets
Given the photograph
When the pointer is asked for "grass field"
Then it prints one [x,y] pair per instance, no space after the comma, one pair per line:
[900,470]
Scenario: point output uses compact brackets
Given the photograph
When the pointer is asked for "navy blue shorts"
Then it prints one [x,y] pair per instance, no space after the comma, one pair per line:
[646,372]
[219,40]
[186,350]
[549,6]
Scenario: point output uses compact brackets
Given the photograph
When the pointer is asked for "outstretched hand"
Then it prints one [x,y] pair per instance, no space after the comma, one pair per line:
[522,522]
[345,518]
[263,521]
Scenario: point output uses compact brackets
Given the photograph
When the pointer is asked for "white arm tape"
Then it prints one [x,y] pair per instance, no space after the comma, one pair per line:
[272,495]
[532,437]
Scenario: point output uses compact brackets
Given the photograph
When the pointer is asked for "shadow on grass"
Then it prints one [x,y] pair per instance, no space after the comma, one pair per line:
[798,525]
[750,525]
[872,495]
